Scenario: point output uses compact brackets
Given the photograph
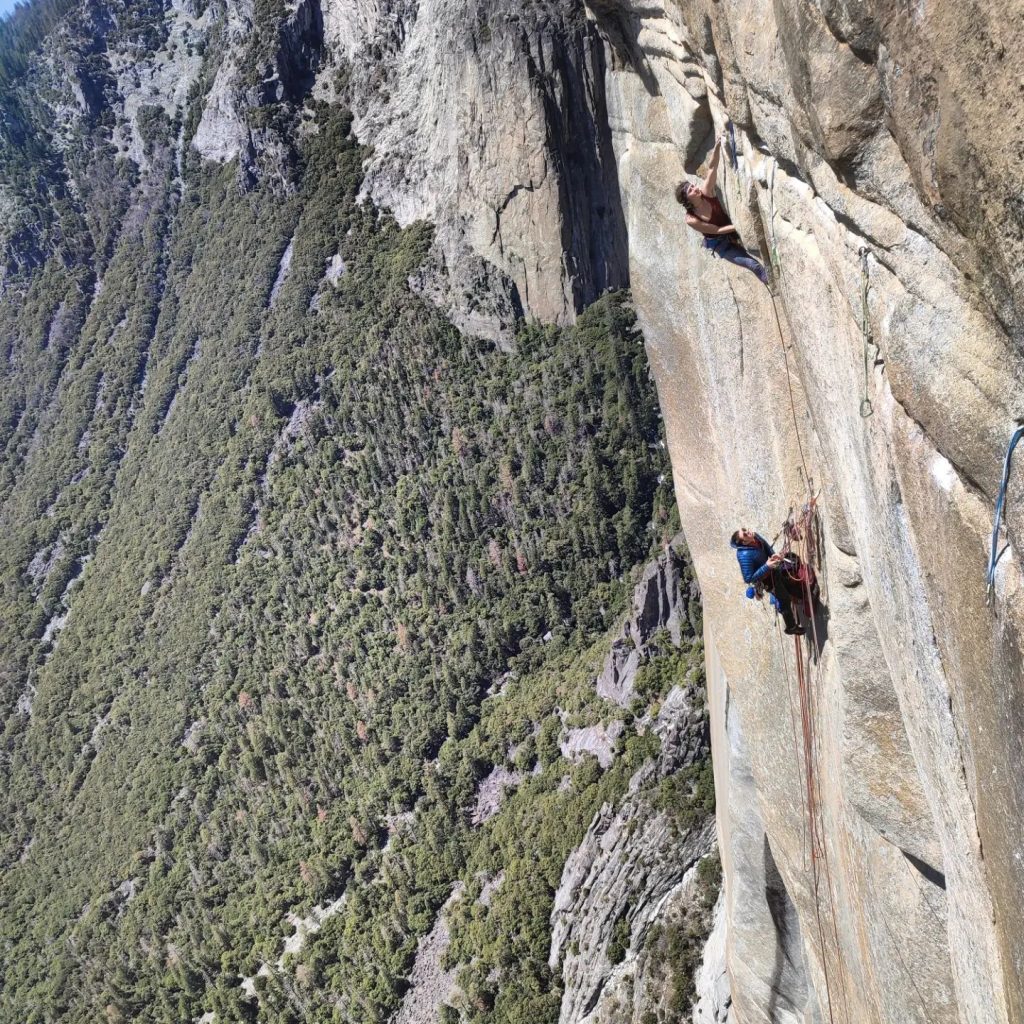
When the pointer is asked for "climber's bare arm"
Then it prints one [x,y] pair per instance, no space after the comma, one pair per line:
[708,229]
[708,188]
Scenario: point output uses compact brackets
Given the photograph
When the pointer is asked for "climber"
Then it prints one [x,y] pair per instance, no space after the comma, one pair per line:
[765,570]
[704,213]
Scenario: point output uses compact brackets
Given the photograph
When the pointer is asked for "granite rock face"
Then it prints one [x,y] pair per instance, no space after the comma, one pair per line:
[661,602]
[873,151]
[488,120]
[632,862]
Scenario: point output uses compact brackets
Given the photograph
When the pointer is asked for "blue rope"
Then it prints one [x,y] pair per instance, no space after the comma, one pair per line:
[732,147]
[1000,502]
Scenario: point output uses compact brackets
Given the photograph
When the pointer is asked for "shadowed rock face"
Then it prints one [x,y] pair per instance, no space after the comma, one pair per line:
[488,119]
[886,128]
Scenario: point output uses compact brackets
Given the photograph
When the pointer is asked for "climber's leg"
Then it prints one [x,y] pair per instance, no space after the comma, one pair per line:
[786,602]
[735,253]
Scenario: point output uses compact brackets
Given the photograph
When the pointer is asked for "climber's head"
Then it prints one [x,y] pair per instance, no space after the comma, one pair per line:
[683,195]
[744,538]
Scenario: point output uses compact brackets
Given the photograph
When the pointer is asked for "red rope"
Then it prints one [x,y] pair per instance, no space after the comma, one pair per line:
[796,533]
[813,813]
[803,532]
[796,746]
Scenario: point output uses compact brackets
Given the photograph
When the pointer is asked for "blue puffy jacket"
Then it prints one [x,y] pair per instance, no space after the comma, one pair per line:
[754,561]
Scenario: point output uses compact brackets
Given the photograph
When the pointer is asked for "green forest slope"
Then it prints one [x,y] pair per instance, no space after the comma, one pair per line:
[268,541]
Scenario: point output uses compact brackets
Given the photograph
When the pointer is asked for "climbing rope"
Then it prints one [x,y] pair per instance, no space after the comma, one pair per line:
[865,327]
[799,532]
[813,812]
[1000,503]
[792,400]
[774,253]
[777,269]
[792,726]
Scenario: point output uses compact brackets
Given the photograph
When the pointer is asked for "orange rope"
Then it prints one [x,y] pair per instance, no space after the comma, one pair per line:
[789,384]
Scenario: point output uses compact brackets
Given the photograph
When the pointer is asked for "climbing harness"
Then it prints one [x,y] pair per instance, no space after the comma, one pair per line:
[1000,503]
[865,327]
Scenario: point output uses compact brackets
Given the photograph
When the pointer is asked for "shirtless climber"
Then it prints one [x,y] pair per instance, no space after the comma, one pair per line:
[764,570]
[704,213]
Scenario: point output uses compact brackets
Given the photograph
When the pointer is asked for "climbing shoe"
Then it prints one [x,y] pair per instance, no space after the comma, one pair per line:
[795,630]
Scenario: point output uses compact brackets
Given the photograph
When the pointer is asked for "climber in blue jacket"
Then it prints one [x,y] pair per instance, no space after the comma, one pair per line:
[762,569]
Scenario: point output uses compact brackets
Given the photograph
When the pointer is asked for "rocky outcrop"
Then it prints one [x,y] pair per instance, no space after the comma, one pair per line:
[491,793]
[633,859]
[488,120]
[660,603]
[714,995]
[645,987]
[430,984]
[872,152]
[485,119]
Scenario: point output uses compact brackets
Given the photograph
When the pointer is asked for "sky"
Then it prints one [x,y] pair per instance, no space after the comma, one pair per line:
[6,6]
